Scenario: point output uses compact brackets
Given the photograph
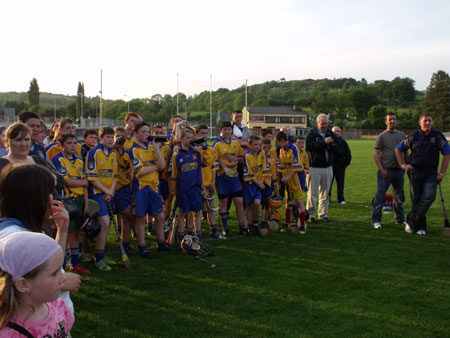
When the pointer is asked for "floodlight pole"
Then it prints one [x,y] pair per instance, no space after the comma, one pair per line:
[177,96]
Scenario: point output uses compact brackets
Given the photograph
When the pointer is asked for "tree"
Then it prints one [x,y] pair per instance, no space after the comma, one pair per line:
[80,100]
[376,116]
[437,100]
[402,91]
[33,94]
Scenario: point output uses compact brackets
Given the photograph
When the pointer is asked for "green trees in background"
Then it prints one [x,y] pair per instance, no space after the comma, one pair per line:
[33,96]
[437,100]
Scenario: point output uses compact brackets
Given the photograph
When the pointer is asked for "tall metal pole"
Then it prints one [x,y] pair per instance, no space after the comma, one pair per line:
[246,94]
[54,108]
[210,106]
[101,97]
[177,96]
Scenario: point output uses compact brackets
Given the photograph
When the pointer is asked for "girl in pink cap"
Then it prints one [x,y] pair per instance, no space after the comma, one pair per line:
[31,280]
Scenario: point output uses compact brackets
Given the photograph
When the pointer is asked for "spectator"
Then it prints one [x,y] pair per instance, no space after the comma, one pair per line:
[389,172]
[422,164]
[341,162]
[322,145]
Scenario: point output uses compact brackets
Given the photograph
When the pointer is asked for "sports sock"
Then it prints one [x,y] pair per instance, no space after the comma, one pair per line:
[74,256]
[162,245]
[255,223]
[212,228]
[241,226]
[142,249]
[99,256]
[288,215]
[190,231]
[302,216]
[80,247]
[199,235]
[126,245]
[224,220]
[264,224]
[204,214]
[181,236]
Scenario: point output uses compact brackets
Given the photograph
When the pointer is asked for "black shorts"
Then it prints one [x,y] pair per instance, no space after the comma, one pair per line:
[233,195]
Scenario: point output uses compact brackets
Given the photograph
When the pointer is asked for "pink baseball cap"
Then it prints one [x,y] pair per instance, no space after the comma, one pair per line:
[24,251]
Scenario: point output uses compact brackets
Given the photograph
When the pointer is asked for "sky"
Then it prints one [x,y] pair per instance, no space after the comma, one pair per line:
[141,46]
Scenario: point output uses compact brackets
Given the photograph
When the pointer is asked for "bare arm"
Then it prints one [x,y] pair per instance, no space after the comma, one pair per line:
[401,160]
[76,183]
[376,157]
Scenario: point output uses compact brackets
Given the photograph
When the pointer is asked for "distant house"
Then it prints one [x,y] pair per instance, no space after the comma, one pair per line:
[257,118]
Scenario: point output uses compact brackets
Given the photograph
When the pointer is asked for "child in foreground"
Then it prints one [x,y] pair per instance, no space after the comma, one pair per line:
[31,280]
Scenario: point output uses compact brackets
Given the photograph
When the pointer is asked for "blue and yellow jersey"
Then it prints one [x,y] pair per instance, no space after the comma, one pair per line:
[255,166]
[304,160]
[142,157]
[225,151]
[209,163]
[273,153]
[124,168]
[101,165]
[289,161]
[186,170]
[271,166]
[53,148]
[129,141]
[72,169]
[166,153]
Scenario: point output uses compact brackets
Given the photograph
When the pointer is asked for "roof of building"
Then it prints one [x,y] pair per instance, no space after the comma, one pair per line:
[275,110]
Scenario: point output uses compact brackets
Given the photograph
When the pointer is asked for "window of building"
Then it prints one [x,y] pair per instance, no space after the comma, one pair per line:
[285,119]
[300,119]
[271,119]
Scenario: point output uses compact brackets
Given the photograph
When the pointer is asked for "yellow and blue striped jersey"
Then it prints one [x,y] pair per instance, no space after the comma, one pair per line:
[72,169]
[255,166]
[53,148]
[129,141]
[272,168]
[226,151]
[124,169]
[289,161]
[142,157]
[101,165]
[209,163]
[166,153]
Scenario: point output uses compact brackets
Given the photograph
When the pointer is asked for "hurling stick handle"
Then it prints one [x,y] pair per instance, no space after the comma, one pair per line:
[125,259]
[446,222]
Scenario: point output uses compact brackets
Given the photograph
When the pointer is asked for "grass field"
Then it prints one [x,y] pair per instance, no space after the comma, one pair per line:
[341,279]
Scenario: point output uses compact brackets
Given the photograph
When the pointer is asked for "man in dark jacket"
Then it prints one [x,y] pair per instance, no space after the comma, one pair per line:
[341,161]
[322,145]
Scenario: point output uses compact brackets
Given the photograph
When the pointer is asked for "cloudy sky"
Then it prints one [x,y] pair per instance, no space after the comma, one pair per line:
[142,45]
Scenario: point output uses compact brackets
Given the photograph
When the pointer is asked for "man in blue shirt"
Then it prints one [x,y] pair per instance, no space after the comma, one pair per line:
[425,145]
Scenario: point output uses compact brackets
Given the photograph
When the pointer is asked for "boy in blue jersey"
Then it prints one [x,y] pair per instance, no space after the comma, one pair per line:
[228,153]
[90,141]
[101,170]
[187,181]
[146,160]
[68,164]
[255,168]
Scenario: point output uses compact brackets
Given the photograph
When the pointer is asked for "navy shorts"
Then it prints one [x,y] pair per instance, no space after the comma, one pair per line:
[251,193]
[266,193]
[148,202]
[228,186]
[164,189]
[122,198]
[103,206]
[190,200]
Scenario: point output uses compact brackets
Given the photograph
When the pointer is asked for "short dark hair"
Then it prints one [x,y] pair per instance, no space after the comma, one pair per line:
[64,137]
[119,130]
[389,113]
[237,111]
[63,122]
[25,194]
[253,138]
[200,127]
[225,124]
[280,136]
[299,138]
[266,141]
[88,132]
[425,114]
[105,131]
[139,125]
[157,126]
[26,115]
[265,132]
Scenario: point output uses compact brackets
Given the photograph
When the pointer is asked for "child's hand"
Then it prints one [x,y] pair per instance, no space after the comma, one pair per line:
[60,216]
[72,282]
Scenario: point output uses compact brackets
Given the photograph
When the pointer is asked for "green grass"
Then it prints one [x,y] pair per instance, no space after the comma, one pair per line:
[341,279]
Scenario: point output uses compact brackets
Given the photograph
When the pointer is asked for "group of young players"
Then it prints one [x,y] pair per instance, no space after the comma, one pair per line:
[143,174]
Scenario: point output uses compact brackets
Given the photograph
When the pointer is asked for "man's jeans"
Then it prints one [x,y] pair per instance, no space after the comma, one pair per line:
[396,179]
[423,194]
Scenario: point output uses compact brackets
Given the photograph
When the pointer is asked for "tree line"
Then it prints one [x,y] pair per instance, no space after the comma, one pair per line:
[350,103]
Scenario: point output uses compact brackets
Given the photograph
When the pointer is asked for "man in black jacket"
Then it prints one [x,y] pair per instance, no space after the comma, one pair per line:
[322,145]
[341,162]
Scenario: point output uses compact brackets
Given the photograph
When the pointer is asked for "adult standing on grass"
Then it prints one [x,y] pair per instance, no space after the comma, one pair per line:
[389,172]
[340,163]
[322,145]
[422,164]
